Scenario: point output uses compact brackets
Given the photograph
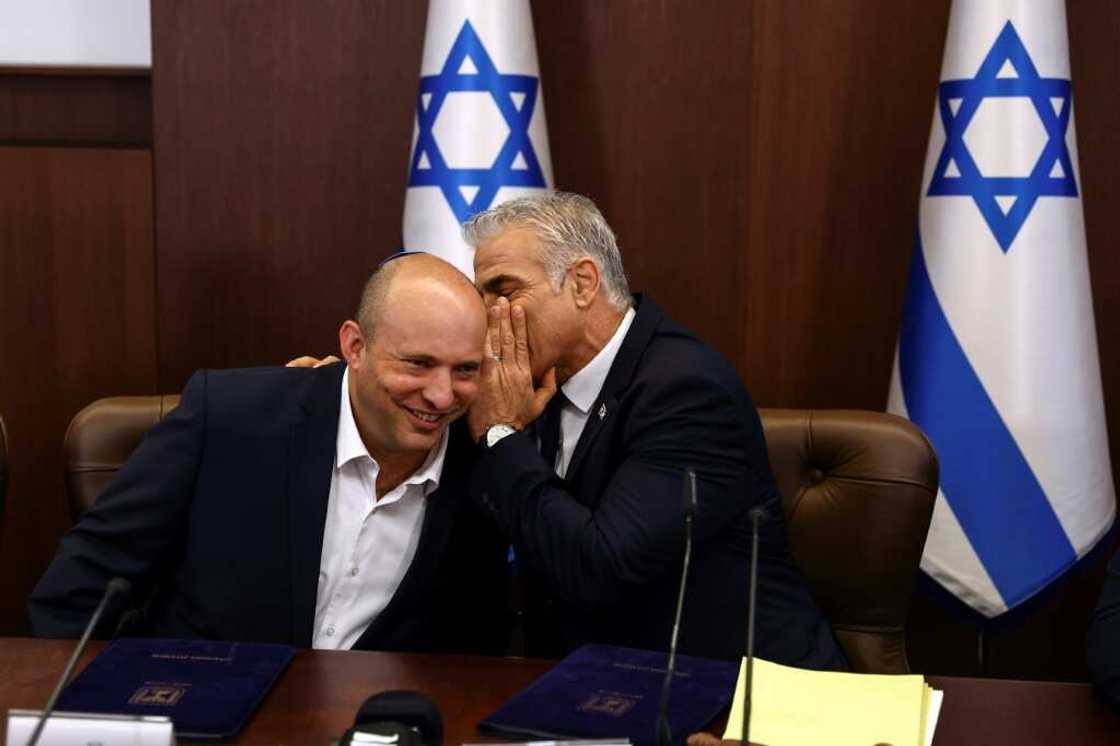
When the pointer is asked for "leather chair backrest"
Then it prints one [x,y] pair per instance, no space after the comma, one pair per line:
[100,439]
[858,489]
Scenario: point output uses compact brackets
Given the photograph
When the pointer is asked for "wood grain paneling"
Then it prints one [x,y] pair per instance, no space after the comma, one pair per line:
[77,322]
[650,120]
[282,139]
[842,104]
[75,107]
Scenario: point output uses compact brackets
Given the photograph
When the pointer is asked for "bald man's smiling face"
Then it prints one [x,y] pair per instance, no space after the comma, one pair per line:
[418,369]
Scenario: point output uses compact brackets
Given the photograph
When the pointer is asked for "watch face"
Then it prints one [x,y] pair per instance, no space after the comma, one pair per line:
[496,433]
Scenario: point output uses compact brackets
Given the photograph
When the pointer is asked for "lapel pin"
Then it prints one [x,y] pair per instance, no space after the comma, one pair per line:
[602,411]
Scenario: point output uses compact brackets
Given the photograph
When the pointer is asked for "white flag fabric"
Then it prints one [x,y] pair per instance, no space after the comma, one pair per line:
[997,353]
[480,135]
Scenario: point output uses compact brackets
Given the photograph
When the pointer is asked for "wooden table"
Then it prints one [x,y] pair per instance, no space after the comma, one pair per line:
[317,696]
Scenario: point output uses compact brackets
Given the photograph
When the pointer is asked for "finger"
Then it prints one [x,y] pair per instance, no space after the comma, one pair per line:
[305,361]
[548,382]
[521,337]
[487,359]
[494,331]
[545,393]
[328,360]
[509,347]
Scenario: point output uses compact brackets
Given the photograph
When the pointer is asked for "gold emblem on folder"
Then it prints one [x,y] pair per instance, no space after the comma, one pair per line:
[165,696]
[614,704]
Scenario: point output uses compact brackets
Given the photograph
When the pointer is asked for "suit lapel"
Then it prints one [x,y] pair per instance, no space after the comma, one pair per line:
[311,454]
[646,320]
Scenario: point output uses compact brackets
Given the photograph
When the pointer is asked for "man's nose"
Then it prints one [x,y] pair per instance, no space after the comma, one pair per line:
[437,389]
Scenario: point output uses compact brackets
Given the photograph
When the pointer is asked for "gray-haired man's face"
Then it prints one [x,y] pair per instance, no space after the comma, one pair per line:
[507,266]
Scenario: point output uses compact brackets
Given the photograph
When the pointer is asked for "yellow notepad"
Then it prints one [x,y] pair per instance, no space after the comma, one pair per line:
[798,707]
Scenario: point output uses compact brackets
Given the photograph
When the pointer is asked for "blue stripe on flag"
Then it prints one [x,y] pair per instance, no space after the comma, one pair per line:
[984,476]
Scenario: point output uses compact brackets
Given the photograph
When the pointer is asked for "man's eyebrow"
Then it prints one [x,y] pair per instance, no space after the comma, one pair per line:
[406,355]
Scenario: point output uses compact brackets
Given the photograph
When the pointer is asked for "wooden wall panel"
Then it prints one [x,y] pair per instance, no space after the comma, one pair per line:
[648,107]
[77,322]
[842,103]
[75,107]
[281,144]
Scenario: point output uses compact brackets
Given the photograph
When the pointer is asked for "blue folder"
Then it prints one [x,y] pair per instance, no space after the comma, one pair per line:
[601,691]
[208,689]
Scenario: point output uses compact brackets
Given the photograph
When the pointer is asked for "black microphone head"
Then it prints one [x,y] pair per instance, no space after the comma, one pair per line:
[411,709]
[756,514]
[689,493]
[118,585]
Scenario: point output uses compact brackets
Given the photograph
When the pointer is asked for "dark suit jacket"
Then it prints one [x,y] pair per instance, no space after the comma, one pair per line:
[607,541]
[1103,639]
[217,519]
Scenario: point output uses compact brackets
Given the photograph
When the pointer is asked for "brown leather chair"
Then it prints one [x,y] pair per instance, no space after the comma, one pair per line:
[858,489]
[100,439]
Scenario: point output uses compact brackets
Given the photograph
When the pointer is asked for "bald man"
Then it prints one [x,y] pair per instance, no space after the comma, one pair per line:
[321,508]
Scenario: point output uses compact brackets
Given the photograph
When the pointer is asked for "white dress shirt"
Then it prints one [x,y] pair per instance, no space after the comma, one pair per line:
[582,389]
[368,543]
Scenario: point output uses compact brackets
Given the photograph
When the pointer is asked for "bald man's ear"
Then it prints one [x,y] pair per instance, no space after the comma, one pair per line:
[585,281]
[352,342]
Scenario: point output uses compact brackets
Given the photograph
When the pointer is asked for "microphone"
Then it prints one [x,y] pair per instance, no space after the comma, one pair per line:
[664,733]
[756,515]
[116,586]
[398,717]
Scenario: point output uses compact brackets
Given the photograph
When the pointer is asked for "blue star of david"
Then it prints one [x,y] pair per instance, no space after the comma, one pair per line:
[429,168]
[956,173]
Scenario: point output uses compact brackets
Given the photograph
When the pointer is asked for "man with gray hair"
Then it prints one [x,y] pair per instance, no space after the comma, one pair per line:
[591,406]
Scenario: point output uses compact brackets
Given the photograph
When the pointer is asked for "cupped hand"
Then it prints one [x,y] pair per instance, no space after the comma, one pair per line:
[506,394]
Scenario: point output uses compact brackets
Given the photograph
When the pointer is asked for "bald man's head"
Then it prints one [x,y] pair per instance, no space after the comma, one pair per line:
[409,279]
[414,355]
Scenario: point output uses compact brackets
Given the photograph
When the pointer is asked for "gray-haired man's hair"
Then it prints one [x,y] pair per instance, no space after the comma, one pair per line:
[568,226]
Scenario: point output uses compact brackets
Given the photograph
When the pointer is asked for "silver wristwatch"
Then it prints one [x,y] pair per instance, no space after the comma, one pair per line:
[496,432]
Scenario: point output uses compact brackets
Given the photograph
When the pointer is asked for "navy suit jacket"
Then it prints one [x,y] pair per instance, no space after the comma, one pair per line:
[606,542]
[217,520]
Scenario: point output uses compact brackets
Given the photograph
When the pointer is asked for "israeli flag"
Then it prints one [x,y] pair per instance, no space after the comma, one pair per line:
[480,135]
[997,355]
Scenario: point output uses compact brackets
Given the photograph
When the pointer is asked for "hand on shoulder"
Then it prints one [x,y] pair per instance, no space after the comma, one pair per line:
[311,362]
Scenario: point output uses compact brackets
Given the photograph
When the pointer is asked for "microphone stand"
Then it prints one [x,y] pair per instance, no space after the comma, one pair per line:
[664,733]
[116,585]
[755,516]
